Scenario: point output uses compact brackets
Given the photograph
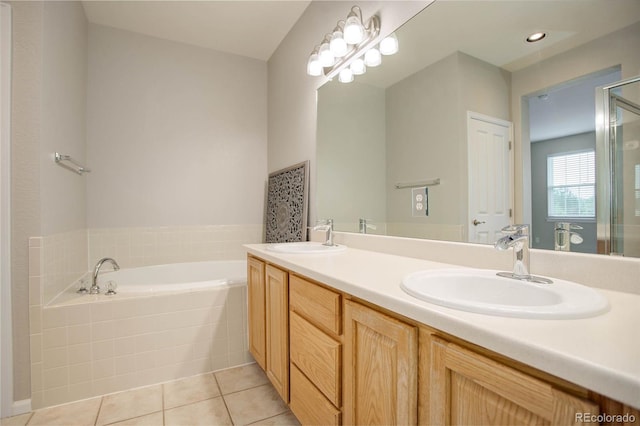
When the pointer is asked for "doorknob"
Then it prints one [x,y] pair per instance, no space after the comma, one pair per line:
[476,222]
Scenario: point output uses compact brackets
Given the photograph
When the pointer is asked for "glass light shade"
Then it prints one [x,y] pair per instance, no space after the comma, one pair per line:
[372,57]
[357,67]
[338,46]
[353,30]
[326,57]
[313,66]
[345,76]
[389,45]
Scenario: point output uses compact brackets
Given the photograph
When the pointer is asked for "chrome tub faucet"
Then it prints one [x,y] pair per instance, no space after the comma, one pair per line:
[95,289]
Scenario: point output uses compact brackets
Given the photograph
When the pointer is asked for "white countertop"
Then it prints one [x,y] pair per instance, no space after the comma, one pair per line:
[600,353]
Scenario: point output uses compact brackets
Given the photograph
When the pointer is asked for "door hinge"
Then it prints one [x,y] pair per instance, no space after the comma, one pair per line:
[509,145]
[510,212]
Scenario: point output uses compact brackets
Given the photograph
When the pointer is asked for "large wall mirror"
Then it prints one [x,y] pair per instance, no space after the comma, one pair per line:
[469,127]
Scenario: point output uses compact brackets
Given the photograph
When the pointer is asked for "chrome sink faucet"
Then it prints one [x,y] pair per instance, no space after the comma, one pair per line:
[95,289]
[327,226]
[517,237]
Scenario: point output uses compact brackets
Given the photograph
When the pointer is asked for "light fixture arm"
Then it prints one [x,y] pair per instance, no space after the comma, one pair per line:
[373,30]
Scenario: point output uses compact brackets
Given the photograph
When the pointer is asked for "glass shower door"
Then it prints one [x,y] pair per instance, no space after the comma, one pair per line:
[623,133]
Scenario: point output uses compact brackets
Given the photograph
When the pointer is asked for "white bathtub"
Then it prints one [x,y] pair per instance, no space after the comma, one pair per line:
[176,277]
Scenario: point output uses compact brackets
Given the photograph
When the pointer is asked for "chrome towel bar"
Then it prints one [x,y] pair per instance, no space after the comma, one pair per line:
[74,167]
[429,182]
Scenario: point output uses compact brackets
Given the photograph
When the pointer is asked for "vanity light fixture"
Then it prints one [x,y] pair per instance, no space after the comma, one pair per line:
[349,49]
[536,37]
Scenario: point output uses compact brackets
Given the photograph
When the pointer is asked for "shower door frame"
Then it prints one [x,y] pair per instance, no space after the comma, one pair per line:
[606,207]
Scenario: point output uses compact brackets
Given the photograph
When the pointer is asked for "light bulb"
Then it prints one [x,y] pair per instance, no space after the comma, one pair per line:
[326,57]
[389,45]
[313,66]
[358,67]
[372,57]
[353,29]
[338,46]
[345,76]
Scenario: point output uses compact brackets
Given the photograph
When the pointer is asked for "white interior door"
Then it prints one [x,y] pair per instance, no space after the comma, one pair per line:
[490,177]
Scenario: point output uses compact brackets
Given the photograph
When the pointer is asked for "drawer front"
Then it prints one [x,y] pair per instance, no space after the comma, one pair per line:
[317,356]
[308,404]
[316,303]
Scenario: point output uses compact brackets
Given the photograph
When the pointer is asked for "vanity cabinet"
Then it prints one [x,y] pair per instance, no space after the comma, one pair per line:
[469,388]
[336,359]
[268,295]
[381,368]
[316,352]
[257,311]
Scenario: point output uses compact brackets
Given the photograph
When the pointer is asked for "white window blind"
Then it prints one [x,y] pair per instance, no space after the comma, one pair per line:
[571,185]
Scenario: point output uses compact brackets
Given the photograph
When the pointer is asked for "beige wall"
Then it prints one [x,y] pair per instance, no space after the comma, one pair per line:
[176,133]
[292,93]
[427,139]
[25,175]
[351,143]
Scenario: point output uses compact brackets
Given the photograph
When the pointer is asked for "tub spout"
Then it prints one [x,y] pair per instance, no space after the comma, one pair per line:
[94,282]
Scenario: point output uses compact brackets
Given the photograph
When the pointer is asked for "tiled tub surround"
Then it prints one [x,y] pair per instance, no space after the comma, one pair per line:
[80,350]
[133,247]
[89,349]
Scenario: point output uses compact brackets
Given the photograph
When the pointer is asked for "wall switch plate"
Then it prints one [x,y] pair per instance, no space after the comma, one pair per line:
[420,201]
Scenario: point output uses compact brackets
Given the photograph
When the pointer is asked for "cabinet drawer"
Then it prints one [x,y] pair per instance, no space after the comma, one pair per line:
[308,404]
[317,356]
[316,303]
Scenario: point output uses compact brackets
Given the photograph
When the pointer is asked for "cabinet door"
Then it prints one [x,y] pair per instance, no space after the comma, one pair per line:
[257,319]
[468,388]
[380,368]
[277,314]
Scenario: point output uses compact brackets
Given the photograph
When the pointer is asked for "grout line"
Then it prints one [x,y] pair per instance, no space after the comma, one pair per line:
[224,401]
[98,413]
[30,417]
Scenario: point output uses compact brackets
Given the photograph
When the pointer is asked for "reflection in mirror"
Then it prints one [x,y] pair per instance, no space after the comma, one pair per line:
[499,122]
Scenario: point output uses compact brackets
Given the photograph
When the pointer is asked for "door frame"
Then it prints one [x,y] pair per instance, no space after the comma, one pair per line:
[605,158]
[471,115]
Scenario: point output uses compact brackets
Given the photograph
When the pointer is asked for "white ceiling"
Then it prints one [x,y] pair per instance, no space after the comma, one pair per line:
[247,28]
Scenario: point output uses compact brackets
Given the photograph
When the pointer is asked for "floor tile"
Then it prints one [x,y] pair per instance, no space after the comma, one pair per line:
[129,404]
[75,413]
[190,390]
[205,413]
[286,419]
[19,420]
[154,419]
[241,378]
[252,405]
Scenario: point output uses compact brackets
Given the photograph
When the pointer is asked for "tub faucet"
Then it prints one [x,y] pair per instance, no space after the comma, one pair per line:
[327,226]
[94,282]
[517,237]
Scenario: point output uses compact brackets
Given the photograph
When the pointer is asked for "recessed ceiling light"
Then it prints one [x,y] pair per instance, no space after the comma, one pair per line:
[536,37]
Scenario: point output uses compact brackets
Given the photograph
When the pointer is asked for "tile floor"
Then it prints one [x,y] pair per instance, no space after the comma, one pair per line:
[237,396]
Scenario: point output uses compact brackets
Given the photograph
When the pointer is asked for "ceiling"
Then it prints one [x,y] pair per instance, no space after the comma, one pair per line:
[246,28]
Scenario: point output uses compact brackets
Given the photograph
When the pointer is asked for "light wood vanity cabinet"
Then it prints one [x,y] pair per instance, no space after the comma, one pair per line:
[337,360]
[381,368]
[268,294]
[469,388]
[316,352]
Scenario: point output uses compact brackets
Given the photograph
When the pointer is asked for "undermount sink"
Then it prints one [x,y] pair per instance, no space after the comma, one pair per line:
[305,247]
[482,291]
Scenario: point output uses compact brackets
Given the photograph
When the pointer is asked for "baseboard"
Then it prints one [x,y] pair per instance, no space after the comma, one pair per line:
[21,407]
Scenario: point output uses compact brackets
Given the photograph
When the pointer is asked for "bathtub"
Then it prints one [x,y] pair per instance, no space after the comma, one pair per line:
[176,277]
[166,322]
